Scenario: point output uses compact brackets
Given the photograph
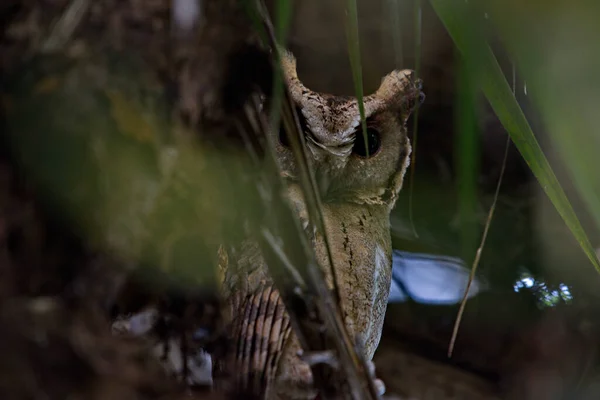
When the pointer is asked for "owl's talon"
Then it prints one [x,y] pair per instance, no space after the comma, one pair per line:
[379,387]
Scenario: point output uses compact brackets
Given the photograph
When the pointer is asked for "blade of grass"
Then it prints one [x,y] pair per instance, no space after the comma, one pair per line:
[561,77]
[355,63]
[488,223]
[467,158]
[283,19]
[392,7]
[283,13]
[413,161]
[487,74]
[275,37]
[463,302]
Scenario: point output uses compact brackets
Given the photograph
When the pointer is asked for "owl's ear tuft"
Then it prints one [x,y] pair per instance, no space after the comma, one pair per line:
[399,88]
[288,64]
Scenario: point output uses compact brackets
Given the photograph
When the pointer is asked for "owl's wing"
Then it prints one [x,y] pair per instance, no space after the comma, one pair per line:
[430,279]
[259,331]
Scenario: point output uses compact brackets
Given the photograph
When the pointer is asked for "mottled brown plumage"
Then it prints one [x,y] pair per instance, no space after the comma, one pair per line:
[359,183]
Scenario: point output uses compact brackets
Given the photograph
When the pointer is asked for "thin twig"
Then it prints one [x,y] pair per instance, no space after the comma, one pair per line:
[488,222]
[479,251]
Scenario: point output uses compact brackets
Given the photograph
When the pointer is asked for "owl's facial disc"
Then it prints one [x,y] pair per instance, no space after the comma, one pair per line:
[353,162]
[334,136]
[329,160]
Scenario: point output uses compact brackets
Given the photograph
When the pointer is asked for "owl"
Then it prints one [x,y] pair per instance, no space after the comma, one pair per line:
[359,175]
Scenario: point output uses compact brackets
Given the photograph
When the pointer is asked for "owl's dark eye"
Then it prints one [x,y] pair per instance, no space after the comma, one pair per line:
[283,136]
[372,145]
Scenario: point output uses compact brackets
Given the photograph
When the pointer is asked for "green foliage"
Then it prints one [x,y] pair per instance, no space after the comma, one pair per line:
[96,141]
[556,47]
[465,29]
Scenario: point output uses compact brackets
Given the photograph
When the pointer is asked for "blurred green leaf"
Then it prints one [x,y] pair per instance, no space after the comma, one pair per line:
[562,77]
[95,139]
[486,73]
[467,152]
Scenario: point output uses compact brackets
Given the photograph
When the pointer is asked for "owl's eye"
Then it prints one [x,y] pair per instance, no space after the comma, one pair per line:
[283,136]
[372,145]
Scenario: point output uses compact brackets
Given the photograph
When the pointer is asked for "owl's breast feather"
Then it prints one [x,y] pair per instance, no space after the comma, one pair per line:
[360,243]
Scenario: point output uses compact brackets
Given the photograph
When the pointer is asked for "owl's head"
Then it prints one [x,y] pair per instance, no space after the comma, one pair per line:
[352,165]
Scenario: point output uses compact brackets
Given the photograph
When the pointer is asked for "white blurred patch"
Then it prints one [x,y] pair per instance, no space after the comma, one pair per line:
[430,279]
[547,297]
[171,357]
[186,13]
[199,364]
[137,324]
[380,263]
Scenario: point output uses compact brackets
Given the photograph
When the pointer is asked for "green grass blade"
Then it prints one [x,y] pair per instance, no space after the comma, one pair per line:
[562,75]
[392,7]
[486,72]
[467,159]
[283,17]
[355,63]
[418,19]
